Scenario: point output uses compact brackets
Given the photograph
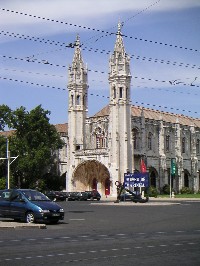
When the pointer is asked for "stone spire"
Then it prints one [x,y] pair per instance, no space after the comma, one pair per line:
[119,44]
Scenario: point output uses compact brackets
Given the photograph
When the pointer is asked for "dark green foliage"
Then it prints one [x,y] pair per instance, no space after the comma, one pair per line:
[5,116]
[186,190]
[153,192]
[2,183]
[34,141]
[166,189]
[54,182]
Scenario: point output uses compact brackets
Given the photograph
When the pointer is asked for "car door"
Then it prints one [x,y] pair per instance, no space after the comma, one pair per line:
[17,205]
[5,203]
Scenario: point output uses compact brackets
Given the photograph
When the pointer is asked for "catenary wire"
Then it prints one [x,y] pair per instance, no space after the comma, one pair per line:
[97,95]
[171,82]
[95,50]
[98,30]
[101,81]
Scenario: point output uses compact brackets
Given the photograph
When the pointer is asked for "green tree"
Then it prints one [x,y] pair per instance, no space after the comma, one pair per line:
[35,141]
[5,116]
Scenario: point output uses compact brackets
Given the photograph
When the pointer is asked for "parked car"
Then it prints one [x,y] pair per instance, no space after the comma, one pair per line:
[126,196]
[77,196]
[29,205]
[55,195]
[92,195]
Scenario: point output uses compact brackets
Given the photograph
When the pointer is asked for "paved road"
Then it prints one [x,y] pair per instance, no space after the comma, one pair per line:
[110,234]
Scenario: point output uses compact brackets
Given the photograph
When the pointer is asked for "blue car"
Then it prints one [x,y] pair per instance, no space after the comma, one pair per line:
[29,205]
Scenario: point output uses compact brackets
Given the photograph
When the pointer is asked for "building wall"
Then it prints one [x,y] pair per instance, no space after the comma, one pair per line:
[158,153]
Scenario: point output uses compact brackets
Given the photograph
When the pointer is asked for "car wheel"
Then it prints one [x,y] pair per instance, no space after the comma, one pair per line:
[30,218]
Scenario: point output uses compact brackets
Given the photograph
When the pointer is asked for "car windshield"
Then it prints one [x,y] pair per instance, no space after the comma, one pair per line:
[35,195]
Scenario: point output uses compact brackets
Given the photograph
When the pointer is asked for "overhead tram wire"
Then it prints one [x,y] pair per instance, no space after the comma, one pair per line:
[94,71]
[138,86]
[123,22]
[98,30]
[33,60]
[96,95]
[90,49]
[31,72]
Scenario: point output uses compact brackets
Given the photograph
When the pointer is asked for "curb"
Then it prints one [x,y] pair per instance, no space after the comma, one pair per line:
[15,225]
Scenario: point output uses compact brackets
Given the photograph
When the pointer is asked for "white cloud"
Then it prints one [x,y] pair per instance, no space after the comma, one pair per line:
[81,12]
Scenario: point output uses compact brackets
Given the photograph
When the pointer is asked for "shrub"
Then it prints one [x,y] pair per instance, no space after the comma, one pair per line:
[153,192]
[3,183]
[166,189]
[186,190]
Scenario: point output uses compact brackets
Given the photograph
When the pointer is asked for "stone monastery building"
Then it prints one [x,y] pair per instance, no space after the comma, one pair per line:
[101,148]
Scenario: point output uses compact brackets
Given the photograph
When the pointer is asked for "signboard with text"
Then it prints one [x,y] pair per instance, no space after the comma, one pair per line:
[133,180]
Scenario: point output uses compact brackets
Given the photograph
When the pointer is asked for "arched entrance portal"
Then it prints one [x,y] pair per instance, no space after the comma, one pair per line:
[153,177]
[91,175]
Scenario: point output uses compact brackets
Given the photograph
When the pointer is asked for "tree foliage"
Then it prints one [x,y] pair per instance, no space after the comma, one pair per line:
[34,141]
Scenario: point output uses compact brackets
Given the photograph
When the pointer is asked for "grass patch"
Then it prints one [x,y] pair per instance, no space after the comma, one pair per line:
[195,196]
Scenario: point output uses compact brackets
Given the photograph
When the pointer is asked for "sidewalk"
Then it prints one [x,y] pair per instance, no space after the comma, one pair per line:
[8,223]
[110,198]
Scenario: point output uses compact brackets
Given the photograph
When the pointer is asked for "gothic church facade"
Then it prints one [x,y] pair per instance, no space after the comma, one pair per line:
[101,148]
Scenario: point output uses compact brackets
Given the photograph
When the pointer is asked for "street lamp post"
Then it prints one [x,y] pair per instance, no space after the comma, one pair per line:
[8,162]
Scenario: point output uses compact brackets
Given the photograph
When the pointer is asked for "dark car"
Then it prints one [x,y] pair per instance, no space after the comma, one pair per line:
[55,195]
[77,196]
[94,194]
[126,196]
[29,205]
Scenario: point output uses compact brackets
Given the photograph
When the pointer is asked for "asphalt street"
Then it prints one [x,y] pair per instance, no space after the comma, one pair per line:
[101,233]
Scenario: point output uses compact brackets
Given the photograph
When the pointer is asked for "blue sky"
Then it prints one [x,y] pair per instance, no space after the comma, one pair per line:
[162,38]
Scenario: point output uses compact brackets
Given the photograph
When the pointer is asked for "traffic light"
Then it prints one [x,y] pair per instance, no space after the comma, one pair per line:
[173,166]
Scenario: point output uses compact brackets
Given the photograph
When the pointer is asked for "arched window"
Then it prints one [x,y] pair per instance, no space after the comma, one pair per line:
[114,92]
[149,141]
[135,139]
[120,92]
[167,143]
[72,99]
[101,140]
[183,145]
[78,98]
[197,147]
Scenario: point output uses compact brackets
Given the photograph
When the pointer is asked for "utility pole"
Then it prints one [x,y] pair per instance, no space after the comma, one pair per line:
[8,162]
